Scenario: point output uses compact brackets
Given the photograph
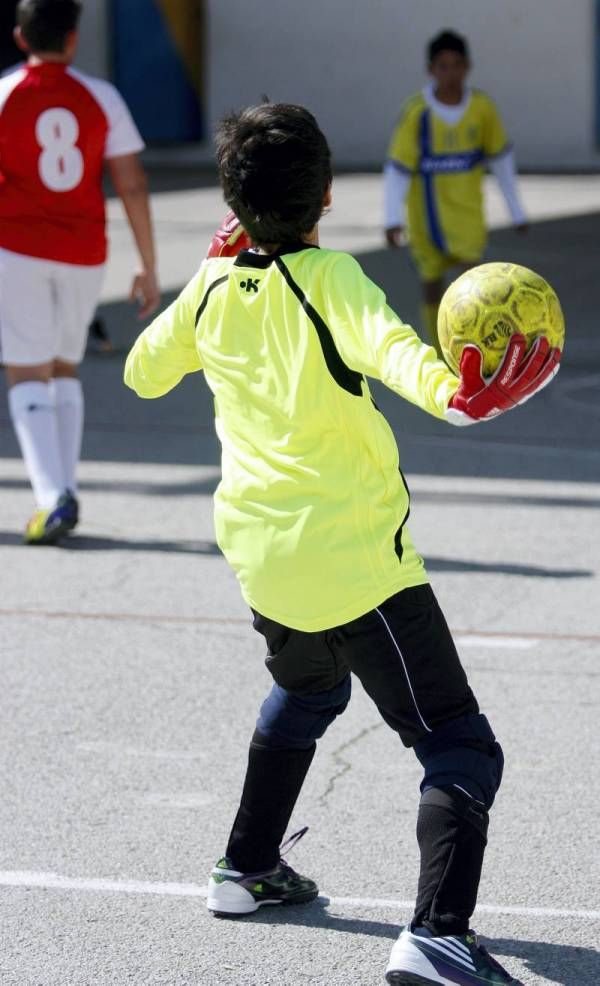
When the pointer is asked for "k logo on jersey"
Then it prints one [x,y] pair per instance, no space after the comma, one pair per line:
[250,284]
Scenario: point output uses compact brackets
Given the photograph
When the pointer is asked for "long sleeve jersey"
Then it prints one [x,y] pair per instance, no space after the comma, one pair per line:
[436,162]
[311,509]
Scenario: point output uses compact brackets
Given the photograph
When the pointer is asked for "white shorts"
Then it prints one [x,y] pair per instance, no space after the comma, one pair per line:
[45,309]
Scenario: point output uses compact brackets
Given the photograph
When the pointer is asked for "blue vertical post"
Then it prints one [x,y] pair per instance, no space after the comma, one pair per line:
[157,52]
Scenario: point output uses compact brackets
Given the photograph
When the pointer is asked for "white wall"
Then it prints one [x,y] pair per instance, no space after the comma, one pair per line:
[353,63]
[93,54]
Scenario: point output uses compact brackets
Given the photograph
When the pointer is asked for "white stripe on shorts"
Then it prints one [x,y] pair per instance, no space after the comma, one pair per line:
[395,643]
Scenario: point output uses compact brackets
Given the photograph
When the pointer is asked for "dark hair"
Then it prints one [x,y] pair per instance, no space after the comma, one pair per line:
[45,24]
[275,168]
[447,41]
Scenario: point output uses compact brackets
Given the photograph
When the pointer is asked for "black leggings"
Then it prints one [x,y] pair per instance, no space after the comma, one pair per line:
[405,658]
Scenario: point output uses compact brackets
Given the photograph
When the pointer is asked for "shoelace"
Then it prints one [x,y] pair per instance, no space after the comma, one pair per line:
[291,843]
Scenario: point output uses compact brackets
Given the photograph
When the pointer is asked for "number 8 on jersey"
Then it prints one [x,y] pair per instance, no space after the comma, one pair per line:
[61,162]
[57,128]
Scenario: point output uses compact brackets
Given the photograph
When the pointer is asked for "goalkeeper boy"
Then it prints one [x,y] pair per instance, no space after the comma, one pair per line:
[311,514]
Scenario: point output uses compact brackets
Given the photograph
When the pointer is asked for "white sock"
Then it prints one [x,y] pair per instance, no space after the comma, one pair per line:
[34,419]
[68,397]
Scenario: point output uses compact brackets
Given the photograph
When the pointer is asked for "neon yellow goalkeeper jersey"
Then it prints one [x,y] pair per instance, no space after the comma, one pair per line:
[446,162]
[311,509]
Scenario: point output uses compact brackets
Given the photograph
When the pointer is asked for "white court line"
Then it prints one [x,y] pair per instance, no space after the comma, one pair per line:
[53,881]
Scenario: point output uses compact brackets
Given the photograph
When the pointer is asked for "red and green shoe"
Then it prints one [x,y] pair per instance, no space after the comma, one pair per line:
[233,894]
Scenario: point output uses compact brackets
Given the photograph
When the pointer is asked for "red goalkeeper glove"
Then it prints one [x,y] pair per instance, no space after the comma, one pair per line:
[518,378]
[230,238]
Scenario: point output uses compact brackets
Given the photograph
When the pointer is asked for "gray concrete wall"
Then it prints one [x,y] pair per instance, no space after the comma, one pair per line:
[94,43]
[353,64]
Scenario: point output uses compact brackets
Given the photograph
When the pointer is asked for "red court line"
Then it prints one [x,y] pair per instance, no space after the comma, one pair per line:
[246,621]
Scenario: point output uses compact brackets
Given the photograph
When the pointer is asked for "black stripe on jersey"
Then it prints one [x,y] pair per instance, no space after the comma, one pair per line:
[346,378]
[204,301]
[398,536]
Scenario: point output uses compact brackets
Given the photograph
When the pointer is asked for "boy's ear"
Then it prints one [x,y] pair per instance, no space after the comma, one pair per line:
[328,198]
[20,40]
[71,43]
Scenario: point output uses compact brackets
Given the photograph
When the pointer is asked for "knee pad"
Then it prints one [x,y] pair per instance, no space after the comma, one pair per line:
[287,720]
[456,807]
[463,753]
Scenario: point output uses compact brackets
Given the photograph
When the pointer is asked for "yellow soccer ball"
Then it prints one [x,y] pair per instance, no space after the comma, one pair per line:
[489,303]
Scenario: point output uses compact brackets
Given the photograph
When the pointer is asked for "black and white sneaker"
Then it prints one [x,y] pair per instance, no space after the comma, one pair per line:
[232,894]
[422,959]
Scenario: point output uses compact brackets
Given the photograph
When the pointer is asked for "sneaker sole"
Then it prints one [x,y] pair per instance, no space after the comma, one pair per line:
[408,979]
[414,979]
[236,915]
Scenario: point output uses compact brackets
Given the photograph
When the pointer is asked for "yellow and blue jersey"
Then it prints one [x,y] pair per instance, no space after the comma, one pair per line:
[446,164]
[311,509]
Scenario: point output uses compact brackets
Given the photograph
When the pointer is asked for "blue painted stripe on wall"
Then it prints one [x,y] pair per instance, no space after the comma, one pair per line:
[435,229]
[150,74]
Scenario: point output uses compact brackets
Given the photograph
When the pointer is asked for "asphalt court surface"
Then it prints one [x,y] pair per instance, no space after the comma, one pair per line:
[131,681]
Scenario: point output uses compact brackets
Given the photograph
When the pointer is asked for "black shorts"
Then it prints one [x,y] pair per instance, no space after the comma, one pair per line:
[402,651]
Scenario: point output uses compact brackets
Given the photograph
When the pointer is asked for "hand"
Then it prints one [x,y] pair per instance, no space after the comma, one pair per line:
[521,228]
[394,237]
[518,378]
[230,238]
[146,292]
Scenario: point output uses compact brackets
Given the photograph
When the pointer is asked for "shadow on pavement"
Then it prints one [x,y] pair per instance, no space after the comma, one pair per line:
[206,487]
[195,487]
[564,965]
[489,499]
[556,436]
[88,542]
[164,177]
[316,915]
[500,568]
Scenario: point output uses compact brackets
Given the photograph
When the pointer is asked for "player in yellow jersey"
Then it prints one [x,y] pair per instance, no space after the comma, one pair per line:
[433,174]
[311,514]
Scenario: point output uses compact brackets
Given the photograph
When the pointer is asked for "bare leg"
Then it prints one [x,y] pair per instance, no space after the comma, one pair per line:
[62,369]
[40,372]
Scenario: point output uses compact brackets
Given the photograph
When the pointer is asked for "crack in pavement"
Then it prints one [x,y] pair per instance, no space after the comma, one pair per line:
[345,765]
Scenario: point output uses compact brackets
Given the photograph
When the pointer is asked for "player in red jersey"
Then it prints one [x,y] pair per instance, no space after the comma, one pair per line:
[58,130]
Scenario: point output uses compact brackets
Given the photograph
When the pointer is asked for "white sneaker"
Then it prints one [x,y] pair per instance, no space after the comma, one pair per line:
[232,894]
[450,960]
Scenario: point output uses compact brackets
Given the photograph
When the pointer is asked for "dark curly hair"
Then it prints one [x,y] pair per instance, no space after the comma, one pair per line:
[447,41]
[275,169]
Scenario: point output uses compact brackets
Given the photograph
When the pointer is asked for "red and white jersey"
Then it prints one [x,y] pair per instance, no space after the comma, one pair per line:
[57,126]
